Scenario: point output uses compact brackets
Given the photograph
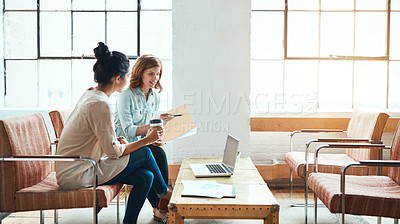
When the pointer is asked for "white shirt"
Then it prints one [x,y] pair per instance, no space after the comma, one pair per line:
[89,132]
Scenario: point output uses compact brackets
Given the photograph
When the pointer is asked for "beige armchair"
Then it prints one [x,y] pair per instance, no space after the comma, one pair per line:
[363,127]
[26,180]
[360,195]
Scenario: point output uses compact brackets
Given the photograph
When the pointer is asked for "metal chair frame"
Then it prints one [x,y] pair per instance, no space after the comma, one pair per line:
[53,158]
[379,163]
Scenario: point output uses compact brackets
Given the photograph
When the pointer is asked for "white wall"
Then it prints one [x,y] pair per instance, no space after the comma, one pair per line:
[211,73]
[1,57]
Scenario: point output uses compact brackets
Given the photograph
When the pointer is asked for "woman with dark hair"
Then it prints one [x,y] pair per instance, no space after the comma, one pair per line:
[136,106]
[89,132]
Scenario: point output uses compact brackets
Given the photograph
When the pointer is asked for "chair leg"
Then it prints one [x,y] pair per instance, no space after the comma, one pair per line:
[396,221]
[118,208]
[379,220]
[306,198]
[291,186]
[41,217]
[95,215]
[126,196]
[315,208]
[55,216]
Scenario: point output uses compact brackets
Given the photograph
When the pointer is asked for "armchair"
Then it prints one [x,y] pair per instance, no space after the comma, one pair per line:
[26,180]
[363,127]
[361,195]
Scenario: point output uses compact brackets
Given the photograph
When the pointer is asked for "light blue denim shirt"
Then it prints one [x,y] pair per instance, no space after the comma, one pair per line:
[132,110]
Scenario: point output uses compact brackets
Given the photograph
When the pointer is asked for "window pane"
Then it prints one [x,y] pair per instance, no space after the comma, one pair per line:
[82,77]
[337,32]
[371,28]
[20,4]
[156,34]
[335,85]
[88,31]
[303,4]
[267,5]
[166,94]
[157,4]
[394,35]
[394,85]
[302,34]
[55,30]
[55,5]
[20,34]
[395,4]
[22,84]
[88,5]
[266,86]
[121,5]
[337,5]
[300,86]
[267,35]
[370,84]
[122,32]
[55,83]
[371,4]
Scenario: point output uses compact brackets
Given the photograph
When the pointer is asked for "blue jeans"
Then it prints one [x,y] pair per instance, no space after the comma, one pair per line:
[161,160]
[143,174]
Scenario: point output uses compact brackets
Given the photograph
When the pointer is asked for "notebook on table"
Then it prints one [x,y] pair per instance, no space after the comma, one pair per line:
[224,169]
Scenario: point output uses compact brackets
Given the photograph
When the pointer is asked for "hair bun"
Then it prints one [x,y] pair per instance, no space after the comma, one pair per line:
[101,52]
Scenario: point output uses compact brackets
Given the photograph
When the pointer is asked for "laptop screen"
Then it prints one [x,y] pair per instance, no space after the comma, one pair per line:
[230,154]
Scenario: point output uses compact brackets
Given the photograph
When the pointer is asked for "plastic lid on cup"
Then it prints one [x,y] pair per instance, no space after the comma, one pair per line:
[155,121]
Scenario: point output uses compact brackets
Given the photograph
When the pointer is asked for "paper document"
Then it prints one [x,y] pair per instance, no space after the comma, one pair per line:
[207,188]
[181,126]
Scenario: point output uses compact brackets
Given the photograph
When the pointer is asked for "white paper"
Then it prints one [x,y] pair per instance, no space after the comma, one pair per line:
[207,188]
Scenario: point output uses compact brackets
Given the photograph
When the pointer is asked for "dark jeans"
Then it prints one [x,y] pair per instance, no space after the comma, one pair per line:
[161,159]
[143,174]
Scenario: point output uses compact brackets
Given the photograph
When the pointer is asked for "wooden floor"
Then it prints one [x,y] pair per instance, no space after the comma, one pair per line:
[33,217]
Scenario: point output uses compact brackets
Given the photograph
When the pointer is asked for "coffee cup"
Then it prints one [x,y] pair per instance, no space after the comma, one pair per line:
[156,123]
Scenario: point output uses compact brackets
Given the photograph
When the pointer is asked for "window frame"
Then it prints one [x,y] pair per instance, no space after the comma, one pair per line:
[351,58]
[71,57]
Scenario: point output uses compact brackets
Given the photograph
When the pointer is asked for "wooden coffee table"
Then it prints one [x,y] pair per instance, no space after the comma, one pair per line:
[254,199]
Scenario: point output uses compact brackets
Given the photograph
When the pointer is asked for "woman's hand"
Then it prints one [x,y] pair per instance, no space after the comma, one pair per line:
[166,117]
[155,134]
[122,140]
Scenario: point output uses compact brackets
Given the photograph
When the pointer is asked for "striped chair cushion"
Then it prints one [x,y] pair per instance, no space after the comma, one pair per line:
[365,195]
[327,163]
[47,195]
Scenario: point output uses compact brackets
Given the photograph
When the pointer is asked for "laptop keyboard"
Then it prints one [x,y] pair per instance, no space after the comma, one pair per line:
[215,168]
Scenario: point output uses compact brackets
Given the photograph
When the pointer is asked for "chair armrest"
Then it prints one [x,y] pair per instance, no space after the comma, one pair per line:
[311,131]
[315,131]
[342,140]
[393,163]
[59,158]
[343,146]
[46,158]
[348,140]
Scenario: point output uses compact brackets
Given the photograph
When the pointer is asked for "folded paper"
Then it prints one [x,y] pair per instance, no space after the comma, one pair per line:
[181,126]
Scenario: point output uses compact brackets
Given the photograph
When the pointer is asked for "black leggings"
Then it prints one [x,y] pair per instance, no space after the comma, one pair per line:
[161,160]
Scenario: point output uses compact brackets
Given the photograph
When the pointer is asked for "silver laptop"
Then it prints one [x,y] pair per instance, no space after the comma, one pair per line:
[224,169]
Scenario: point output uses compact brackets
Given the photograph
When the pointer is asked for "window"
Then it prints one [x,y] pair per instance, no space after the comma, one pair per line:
[48,45]
[312,56]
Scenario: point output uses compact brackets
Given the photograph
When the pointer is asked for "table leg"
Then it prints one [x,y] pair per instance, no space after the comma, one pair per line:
[175,217]
[272,218]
